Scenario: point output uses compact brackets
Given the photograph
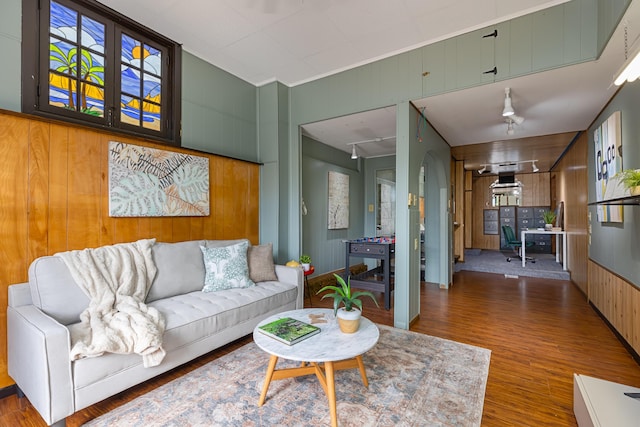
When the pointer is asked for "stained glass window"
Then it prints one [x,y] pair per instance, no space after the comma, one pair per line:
[100,68]
[76,61]
[141,81]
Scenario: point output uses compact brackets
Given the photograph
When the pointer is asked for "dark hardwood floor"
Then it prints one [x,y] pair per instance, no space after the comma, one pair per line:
[539,331]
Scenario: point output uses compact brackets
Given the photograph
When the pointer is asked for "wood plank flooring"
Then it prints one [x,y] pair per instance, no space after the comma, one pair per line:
[539,331]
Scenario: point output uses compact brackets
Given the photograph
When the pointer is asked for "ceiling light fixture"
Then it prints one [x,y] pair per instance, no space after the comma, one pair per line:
[534,167]
[509,127]
[354,153]
[516,119]
[508,108]
[503,167]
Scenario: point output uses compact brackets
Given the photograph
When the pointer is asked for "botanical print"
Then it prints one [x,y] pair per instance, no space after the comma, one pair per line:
[608,161]
[149,182]
[338,206]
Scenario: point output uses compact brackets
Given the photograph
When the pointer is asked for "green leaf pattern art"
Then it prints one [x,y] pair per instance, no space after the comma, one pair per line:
[147,182]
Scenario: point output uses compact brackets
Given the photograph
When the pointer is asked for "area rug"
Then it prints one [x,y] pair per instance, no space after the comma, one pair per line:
[414,380]
[488,261]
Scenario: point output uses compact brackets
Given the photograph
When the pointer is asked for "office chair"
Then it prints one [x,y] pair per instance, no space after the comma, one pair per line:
[514,243]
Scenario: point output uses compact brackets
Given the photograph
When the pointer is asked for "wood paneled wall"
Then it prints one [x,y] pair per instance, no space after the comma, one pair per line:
[54,197]
[571,183]
[535,193]
[481,200]
[618,301]
[457,172]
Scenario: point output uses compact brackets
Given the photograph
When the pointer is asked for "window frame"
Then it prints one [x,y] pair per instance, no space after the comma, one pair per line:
[35,70]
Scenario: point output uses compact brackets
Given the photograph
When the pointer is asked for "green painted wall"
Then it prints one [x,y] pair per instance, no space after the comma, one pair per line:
[326,246]
[10,46]
[219,111]
[616,246]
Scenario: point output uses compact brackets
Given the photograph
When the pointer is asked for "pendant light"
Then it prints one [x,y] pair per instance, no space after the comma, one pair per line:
[508,108]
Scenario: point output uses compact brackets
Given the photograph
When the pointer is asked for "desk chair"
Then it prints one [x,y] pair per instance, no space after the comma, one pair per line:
[514,243]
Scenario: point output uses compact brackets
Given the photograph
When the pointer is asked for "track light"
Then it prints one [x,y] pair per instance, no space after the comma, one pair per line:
[509,127]
[509,166]
[508,108]
[354,154]
[517,119]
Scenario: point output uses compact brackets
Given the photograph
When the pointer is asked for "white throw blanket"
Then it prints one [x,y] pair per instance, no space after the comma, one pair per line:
[116,278]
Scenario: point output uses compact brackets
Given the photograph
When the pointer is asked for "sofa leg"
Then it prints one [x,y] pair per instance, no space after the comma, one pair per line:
[60,423]
[19,392]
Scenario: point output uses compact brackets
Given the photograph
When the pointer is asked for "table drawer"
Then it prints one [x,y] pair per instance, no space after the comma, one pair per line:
[368,248]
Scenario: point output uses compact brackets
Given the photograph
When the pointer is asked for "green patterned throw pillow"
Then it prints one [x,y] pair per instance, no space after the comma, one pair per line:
[226,267]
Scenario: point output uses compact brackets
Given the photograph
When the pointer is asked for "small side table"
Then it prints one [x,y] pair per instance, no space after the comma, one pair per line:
[306,282]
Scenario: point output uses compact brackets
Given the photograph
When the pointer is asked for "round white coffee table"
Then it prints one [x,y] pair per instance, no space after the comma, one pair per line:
[322,354]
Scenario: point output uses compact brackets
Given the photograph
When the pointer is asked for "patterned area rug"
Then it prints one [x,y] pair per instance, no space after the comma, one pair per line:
[414,380]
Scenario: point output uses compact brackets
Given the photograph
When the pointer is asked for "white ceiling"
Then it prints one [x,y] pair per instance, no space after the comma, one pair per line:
[294,41]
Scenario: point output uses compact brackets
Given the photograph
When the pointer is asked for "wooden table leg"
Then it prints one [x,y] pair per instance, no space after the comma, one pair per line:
[272,366]
[363,372]
[331,393]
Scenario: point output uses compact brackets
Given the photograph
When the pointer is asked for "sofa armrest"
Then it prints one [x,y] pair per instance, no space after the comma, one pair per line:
[19,294]
[38,361]
[295,276]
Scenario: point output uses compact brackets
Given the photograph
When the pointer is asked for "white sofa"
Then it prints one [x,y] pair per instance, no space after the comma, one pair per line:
[40,311]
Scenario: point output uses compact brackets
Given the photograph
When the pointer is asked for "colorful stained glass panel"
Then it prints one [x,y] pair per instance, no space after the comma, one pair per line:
[68,69]
[153,61]
[151,88]
[62,91]
[130,110]
[92,35]
[92,100]
[63,21]
[62,57]
[150,116]
[130,80]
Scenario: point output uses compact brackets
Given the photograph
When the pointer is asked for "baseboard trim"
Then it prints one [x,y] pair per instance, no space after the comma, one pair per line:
[624,342]
[8,391]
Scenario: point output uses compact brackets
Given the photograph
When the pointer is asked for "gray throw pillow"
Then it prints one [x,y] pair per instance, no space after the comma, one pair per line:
[226,267]
[260,260]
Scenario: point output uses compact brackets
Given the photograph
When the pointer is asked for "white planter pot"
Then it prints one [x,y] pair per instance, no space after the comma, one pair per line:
[548,227]
[349,321]
[306,267]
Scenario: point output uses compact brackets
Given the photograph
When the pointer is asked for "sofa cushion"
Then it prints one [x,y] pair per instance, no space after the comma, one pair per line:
[54,291]
[180,269]
[190,319]
[226,267]
[260,262]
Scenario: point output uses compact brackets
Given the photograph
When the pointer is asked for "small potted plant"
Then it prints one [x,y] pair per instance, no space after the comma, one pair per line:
[305,260]
[631,180]
[349,315]
[548,217]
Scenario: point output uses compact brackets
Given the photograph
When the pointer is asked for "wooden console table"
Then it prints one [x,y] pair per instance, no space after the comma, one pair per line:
[378,279]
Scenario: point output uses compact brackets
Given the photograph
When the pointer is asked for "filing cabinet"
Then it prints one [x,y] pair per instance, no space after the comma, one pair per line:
[525,217]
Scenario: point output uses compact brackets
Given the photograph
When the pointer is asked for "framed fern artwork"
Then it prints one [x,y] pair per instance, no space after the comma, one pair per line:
[147,182]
